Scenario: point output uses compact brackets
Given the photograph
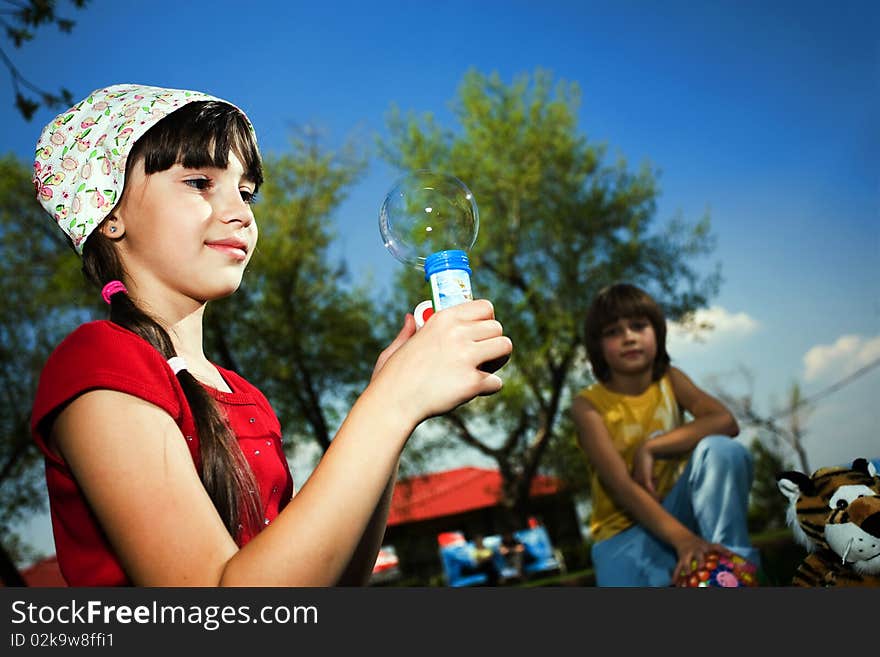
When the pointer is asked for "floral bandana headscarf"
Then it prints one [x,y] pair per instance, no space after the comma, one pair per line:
[79,166]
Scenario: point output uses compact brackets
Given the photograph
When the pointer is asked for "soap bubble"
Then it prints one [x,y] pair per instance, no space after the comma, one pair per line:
[426,212]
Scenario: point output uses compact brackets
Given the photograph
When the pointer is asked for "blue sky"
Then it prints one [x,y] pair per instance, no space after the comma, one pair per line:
[764,114]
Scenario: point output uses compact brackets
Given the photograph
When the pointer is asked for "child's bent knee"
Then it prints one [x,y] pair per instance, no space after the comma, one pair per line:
[723,450]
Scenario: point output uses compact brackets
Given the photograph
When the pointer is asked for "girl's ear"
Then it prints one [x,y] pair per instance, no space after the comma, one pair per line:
[113,227]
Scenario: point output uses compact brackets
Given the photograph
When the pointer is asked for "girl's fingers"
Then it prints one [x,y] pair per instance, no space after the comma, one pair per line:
[490,385]
[472,310]
[457,350]
[494,353]
[485,329]
[493,348]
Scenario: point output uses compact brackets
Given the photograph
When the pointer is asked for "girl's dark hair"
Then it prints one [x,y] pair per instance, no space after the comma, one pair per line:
[196,135]
[623,301]
[199,134]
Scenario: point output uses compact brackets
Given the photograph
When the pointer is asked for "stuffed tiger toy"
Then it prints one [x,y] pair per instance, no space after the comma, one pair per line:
[835,514]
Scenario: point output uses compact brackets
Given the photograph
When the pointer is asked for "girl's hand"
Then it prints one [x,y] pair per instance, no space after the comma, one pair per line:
[693,548]
[433,371]
[643,469]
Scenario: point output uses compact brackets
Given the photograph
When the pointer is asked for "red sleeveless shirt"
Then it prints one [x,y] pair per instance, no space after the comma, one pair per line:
[103,355]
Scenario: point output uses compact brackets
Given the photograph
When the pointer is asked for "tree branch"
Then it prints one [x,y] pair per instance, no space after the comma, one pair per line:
[467,437]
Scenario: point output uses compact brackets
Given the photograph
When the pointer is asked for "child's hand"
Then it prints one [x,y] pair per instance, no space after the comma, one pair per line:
[433,371]
[694,549]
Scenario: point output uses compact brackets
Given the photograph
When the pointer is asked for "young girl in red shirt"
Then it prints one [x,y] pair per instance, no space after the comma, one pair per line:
[163,468]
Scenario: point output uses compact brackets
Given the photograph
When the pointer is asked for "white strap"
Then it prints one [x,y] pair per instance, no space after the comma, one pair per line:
[176,363]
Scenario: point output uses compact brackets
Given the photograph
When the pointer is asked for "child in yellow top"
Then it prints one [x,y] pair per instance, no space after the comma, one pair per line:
[664,491]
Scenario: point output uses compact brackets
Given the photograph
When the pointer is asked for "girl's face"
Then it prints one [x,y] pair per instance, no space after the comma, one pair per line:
[189,231]
[629,345]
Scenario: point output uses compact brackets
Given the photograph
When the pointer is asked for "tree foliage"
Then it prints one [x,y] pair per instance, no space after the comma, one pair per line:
[557,223]
[21,18]
[44,296]
[767,505]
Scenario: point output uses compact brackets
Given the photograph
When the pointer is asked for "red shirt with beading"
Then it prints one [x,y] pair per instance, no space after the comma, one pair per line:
[103,355]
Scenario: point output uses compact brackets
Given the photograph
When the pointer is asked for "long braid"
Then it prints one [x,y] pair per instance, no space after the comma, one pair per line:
[224,472]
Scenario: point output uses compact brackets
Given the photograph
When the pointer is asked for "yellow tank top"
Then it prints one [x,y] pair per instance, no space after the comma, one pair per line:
[631,420]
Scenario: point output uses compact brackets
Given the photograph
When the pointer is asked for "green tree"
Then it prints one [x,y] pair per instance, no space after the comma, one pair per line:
[296,328]
[767,506]
[44,296]
[21,18]
[557,223]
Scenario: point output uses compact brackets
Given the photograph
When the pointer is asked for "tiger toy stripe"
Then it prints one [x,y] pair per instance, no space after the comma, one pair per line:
[835,514]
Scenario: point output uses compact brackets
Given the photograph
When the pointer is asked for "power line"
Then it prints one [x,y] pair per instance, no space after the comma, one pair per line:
[832,388]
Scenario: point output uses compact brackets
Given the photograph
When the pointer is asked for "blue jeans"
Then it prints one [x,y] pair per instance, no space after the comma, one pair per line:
[710,498]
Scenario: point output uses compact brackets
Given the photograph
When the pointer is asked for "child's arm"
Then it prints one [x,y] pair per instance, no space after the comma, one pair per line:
[361,565]
[633,498]
[133,465]
[360,568]
[710,418]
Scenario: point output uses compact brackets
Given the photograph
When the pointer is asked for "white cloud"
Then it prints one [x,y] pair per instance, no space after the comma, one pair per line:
[710,326]
[842,358]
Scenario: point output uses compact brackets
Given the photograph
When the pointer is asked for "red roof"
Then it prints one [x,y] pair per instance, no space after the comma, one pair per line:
[454,491]
[44,573]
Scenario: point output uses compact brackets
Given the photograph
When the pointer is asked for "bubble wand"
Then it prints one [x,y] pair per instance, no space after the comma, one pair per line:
[429,221]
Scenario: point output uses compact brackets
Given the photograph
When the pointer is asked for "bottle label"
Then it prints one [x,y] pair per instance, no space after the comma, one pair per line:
[450,287]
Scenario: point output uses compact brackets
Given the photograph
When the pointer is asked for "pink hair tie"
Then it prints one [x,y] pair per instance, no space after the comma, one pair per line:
[112,288]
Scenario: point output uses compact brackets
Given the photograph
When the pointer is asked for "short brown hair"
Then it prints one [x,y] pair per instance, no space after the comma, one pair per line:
[619,301]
